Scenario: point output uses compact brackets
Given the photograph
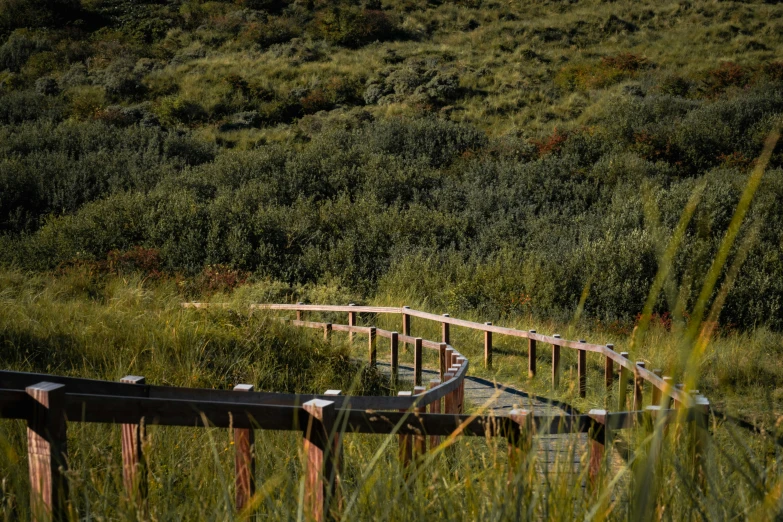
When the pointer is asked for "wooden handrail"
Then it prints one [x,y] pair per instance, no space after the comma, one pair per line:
[676,394]
[20,380]
[112,409]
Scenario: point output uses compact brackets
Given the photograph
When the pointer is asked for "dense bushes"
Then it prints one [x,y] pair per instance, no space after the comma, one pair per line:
[349,166]
[352,26]
[54,169]
[423,207]
[36,13]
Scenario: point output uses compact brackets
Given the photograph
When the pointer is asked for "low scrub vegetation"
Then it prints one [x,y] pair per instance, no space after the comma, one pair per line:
[564,166]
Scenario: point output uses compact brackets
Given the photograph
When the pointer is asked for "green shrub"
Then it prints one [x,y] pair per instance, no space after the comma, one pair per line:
[173,110]
[86,101]
[36,13]
[19,47]
[352,26]
[275,30]
[22,106]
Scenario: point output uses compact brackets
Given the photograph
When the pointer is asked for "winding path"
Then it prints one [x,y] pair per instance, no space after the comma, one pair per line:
[554,451]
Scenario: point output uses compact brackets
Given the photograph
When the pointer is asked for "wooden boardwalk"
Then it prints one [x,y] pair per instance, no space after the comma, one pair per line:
[482,395]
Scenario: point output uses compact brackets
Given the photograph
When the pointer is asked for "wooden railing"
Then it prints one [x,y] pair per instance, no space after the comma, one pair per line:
[629,371]
[48,403]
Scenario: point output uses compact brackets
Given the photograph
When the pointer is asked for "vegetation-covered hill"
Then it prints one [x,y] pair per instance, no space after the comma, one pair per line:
[531,163]
[500,157]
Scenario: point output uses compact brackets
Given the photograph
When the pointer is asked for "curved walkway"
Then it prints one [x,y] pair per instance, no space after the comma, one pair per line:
[554,451]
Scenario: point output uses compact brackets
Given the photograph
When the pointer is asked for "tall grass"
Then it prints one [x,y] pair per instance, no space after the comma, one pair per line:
[109,327]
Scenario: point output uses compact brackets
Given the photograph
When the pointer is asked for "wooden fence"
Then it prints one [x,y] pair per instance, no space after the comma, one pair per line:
[48,403]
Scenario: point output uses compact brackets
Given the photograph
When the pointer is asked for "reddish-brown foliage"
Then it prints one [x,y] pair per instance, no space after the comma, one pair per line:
[551,143]
[137,259]
[728,74]
[625,62]
[219,278]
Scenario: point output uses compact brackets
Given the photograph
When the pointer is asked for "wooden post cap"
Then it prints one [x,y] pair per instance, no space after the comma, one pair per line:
[316,407]
[598,415]
[333,392]
[133,379]
[520,416]
[243,387]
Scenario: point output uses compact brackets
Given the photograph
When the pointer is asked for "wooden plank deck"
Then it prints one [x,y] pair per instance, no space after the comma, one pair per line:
[554,451]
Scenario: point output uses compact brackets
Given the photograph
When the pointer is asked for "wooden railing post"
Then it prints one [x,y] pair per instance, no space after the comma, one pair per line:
[455,398]
[531,356]
[406,441]
[448,399]
[328,332]
[556,364]
[419,441]
[134,469]
[609,369]
[653,420]
[319,474]
[406,321]
[656,391]
[461,361]
[417,361]
[434,407]
[299,312]
[488,348]
[351,322]
[47,452]
[581,370]
[638,388]
[679,386]
[519,443]
[244,459]
[373,352]
[667,394]
[621,396]
[700,440]
[445,334]
[449,357]
[337,451]
[395,356]
[442,347]
[599,441]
